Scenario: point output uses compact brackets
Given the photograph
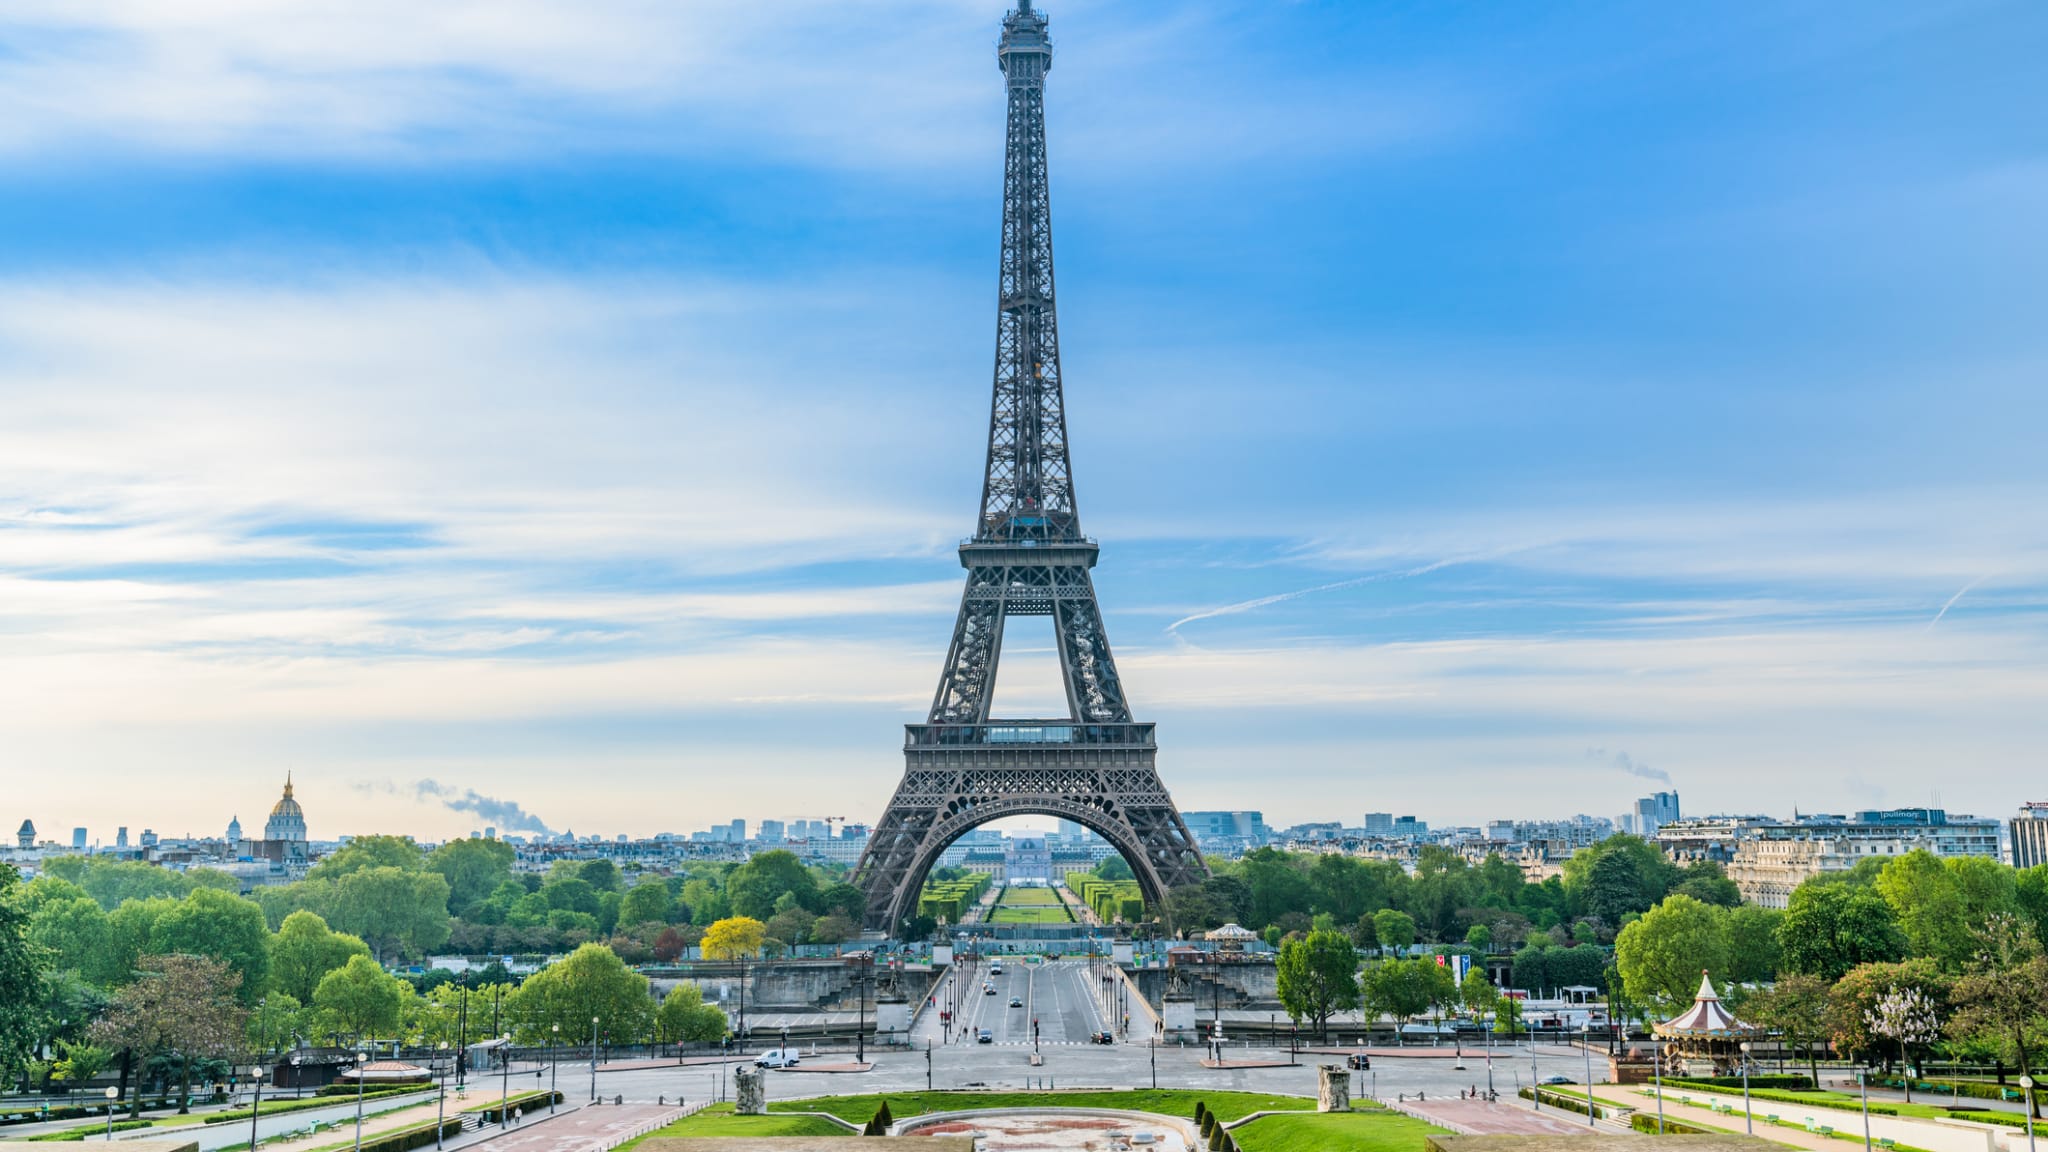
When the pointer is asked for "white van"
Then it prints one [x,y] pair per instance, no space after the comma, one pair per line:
[778,1058]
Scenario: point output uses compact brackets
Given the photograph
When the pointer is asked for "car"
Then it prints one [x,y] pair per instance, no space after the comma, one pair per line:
[995,969]
[778,1058]
[988,989]
[985,1036]
[1359,1061]
[1016,1001]
[1553,1080]
[1101,1038]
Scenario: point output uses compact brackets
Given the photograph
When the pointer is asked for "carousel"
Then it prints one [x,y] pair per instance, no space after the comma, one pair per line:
[1705,1040]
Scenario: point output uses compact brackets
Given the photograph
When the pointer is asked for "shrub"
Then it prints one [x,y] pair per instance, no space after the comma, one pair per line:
[1643,1122]
[91,1130]
[1793,1083]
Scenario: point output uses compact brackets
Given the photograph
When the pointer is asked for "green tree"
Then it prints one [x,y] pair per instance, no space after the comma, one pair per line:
[474,869]
[1796,1009]
[647,902]
[1754,955]
[187,1005]
[1660,955]
[2002,999]
[209,922]
[754,886]
[21,979]
[1407,988]
[1479,995]
[74,932]
[365,852]
[273,1021]
[571,894]
[590,982]
[360,999]
[129,929]
[395,911]
[305,951]
[1856,995]
[1641,878]
[1318,976]
[1395,930]
[1830,929]
[1707,882]
[1929,904]
[685,1018]
[1442,885]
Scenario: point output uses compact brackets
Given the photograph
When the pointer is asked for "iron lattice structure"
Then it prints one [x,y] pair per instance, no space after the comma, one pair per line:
[1027,557]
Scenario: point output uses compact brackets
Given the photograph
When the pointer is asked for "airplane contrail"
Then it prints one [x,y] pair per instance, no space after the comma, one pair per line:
[1952,602]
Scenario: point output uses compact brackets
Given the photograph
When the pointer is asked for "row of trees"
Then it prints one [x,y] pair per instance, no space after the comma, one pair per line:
[1320,974]
[1447,899]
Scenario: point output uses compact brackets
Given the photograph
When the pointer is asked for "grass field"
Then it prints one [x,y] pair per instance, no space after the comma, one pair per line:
[1166,1102]
[1030,906]
[719,1120]
[1375,1131]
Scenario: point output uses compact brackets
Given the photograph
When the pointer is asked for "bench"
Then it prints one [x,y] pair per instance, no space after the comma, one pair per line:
[1887,1142]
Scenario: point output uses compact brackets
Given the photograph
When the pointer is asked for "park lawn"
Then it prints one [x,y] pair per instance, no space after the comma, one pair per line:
[1022,896]
[720,1120]
[1164,1101]
[1376,1130]
[1008,915]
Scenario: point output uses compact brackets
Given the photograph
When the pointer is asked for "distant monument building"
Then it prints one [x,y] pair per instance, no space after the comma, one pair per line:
[284,834]
[234,831]
[287,820]
[26,838]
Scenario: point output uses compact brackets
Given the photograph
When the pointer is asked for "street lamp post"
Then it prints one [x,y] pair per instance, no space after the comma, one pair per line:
[361,1057]
[1152,1051]
[1657,1079]
[554,1063]
[1748,1120]
[255,1105]
[860,1035]
[440,1101]
[1863,1088]
[1586,1045]
[2026,1085]
[593,1056]
[114,1094]
[505,1081]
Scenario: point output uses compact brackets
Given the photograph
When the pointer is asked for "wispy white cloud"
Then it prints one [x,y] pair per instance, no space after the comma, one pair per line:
[903,83]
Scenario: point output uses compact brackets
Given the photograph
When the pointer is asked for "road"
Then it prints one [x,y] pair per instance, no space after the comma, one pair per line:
[1056,995]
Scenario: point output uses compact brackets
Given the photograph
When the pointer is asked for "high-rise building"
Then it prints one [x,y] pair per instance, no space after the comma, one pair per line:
[1411,827]
[2030,835]
[771,832]
[149,838]
[736,831]
[78,839]
[121,836]
[1379,823]
[1658,808]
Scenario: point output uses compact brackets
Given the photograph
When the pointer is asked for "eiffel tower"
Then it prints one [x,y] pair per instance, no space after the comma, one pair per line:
[1028,557]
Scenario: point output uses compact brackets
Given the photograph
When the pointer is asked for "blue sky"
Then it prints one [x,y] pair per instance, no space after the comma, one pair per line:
[1485,410]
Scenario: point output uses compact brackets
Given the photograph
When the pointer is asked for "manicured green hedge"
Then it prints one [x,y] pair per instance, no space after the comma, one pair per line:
[527,1102]
[89,1131]
[1976,1090]
[1647,1122]
[1794,1083]
[285,1104]
[406,1139]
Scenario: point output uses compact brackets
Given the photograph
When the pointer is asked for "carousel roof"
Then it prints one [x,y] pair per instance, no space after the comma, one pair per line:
[1232,932]
[1706,1017]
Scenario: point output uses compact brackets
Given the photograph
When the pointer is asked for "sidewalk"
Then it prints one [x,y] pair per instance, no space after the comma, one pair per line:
[1935,1136]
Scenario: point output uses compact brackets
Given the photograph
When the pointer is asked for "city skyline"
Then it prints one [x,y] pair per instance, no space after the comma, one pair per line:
[1573,411]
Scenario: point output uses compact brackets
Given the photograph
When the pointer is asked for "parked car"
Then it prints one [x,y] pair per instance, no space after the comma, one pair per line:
[1558,1080]
[778,1058]
[985,1036]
